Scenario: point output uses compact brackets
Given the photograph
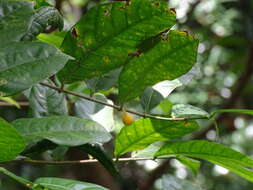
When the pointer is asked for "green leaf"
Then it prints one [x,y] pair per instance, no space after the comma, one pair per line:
[40,3]
[192,164]
[104,82]
[165,106]
[166,87]
[62,130]
[188,111]
[101,114]
[144,132]
[108,34]
[59,153]
[212,152]
[172,183]
[150,99]
[15,18]
[78,87]
[172,56]
[241,111]
[85,108]
[66,184]
[55,38]
[10,100]
[11,143]
[23,64]
[45,101]
[98,152]
[148,152]
[43,17]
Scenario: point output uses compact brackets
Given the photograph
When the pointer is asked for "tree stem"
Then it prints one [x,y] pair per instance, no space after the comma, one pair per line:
[116,106]
[73,162]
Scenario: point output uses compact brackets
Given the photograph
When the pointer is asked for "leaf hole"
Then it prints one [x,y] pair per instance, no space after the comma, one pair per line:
[106,12]
[74,33]
[135,54]
[173,11]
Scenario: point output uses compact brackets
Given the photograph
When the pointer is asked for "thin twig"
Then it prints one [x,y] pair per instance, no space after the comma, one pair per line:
[10,104]
[116,106]
[67,162]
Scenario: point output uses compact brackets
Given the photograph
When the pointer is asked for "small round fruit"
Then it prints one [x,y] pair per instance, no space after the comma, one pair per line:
[127,119]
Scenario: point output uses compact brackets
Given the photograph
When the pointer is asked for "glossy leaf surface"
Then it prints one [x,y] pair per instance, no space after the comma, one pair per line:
[144,132]
[62,130]
[149,151]
[11,143]
[15,18]
[45,101]
[188,111]
[23,64]
[212,152]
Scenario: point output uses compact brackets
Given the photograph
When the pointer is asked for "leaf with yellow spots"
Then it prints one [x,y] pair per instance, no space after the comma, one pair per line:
[167,58]
[109,33]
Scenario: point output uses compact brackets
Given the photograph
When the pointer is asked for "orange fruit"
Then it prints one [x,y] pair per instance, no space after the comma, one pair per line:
[127,119]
